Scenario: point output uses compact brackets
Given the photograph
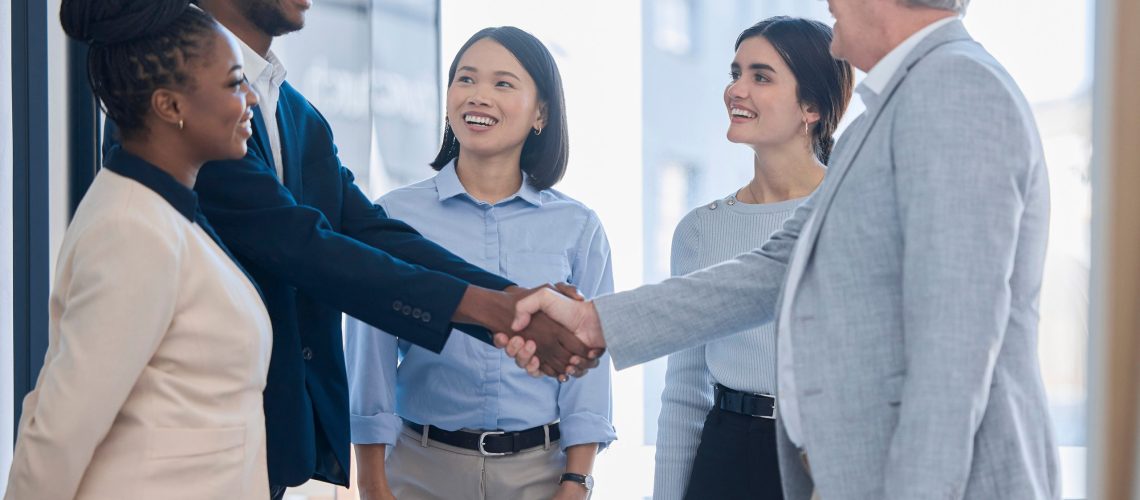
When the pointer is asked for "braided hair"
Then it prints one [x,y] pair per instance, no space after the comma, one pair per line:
[137,47]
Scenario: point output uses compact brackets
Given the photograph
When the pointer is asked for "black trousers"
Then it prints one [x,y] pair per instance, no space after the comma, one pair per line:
[736,459]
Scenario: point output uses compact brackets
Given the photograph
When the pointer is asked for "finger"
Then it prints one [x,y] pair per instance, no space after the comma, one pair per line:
[569,291]
[532,368]
[514,345]
[549,372]
[501,340]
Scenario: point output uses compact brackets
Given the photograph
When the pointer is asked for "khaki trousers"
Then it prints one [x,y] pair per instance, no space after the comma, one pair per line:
[419,470]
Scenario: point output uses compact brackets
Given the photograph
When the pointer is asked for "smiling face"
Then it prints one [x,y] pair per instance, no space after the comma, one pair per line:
[217,109]
[492,102]
[761,101]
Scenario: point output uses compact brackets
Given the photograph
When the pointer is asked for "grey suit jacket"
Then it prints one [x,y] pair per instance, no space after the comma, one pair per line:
[915,323]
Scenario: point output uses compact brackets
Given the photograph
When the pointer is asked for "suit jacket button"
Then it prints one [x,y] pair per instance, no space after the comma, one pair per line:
[307,353]
[426,317]
[416,313]
[397,305]
[407,310]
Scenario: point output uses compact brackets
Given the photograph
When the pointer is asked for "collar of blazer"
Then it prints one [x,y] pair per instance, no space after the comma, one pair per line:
[849,145]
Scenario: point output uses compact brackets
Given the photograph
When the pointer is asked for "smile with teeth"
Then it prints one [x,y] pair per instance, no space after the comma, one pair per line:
[485,121]
[743,113]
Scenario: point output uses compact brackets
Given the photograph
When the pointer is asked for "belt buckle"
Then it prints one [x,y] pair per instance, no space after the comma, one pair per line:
[483,451]
[773,416]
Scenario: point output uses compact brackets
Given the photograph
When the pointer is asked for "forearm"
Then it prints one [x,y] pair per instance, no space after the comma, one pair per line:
[580,458]
[371,475]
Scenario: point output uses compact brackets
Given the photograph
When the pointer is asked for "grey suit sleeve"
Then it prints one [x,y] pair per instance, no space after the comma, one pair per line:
[966,161]
[691,310]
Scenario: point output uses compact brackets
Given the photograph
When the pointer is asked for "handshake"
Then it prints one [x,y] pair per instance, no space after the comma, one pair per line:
[551,330]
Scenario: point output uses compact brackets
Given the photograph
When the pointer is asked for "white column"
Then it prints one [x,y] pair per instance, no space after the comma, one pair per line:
[6,374]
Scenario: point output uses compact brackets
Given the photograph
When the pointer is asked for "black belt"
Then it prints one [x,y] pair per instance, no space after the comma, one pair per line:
[492,443]
[745,403]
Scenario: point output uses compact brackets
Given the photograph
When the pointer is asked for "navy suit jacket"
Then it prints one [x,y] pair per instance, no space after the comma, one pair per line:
[317,246]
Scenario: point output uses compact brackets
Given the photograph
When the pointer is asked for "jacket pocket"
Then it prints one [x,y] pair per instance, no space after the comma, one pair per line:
[191,442]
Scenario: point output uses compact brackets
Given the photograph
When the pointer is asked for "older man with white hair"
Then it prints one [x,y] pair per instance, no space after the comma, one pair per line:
[905,290]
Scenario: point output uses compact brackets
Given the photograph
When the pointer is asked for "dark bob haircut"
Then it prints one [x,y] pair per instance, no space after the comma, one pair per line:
[544,156]
[823,81]
[137,47]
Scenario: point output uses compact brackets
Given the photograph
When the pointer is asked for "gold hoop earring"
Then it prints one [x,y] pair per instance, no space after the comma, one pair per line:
[180,125]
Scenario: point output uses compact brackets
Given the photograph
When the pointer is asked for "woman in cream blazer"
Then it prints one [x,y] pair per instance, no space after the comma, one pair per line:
[159,343]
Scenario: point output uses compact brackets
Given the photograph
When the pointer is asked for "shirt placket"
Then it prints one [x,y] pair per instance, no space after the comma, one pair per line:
[492,361]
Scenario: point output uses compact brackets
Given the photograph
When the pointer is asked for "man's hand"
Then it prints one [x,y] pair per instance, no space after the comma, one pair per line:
[577,316]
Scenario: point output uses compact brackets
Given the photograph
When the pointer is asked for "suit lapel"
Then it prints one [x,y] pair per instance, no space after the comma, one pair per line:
[261,140]
[856,136]
[290,145]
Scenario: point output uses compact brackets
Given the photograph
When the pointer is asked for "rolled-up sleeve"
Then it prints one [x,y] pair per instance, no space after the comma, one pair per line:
[371,357]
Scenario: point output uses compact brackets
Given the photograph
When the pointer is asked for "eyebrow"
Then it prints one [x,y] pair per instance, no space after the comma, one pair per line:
[497,73]
[235,67]
[756,67]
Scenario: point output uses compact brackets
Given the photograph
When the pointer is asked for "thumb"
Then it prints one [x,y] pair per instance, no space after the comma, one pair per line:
[528,306]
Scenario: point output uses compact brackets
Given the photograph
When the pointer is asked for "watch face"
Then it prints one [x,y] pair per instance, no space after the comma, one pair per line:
[589,483]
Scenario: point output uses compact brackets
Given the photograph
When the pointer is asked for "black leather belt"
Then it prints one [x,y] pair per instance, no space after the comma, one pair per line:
[492,443]
[745,403]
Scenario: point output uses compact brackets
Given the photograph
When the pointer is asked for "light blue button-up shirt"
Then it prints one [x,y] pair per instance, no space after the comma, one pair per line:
[533,237]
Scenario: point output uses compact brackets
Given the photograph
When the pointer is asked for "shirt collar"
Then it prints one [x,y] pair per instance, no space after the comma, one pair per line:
[268,69]
[881,74]
[448,186]
[182,198]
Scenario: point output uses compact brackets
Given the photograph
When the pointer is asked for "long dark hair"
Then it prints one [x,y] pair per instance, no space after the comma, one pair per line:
[544,156]
[823,81]
[137,47]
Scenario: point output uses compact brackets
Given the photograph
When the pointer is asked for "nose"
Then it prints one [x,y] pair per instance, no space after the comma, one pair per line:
[735,90]
[250,95]
[475,98]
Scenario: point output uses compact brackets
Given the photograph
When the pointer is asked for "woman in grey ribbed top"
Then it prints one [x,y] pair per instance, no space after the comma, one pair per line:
[785,100]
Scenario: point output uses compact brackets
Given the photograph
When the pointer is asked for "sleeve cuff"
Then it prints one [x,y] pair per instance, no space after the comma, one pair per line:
[382,428]
[585,427]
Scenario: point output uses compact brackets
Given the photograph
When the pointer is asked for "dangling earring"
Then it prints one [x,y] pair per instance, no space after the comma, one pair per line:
[806,132]
[180,124]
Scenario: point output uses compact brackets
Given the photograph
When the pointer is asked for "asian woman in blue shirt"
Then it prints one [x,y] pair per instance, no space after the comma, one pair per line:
[468,423]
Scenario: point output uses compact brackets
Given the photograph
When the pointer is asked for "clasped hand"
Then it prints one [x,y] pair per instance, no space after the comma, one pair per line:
[554,333]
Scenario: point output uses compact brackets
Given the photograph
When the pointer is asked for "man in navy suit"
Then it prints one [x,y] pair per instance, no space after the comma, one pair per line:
[317,247]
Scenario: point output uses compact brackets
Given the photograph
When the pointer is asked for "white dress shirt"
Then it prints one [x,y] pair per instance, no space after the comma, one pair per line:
[869,89]
[266,74]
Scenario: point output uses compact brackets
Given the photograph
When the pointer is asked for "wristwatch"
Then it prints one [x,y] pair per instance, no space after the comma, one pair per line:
[587,481]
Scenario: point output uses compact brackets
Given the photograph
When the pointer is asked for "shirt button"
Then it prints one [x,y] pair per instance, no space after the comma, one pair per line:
[407,310]
[397,305]
[731,201]
[416,313]
[307,353]
[712,206]
[426,317]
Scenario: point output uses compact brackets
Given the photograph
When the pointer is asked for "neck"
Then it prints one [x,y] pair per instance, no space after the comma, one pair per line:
[781,174]
[898,27]
[168,159]
[227,13]
[489,179]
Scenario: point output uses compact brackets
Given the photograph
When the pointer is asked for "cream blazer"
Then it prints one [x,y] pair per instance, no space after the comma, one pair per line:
[157,357]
